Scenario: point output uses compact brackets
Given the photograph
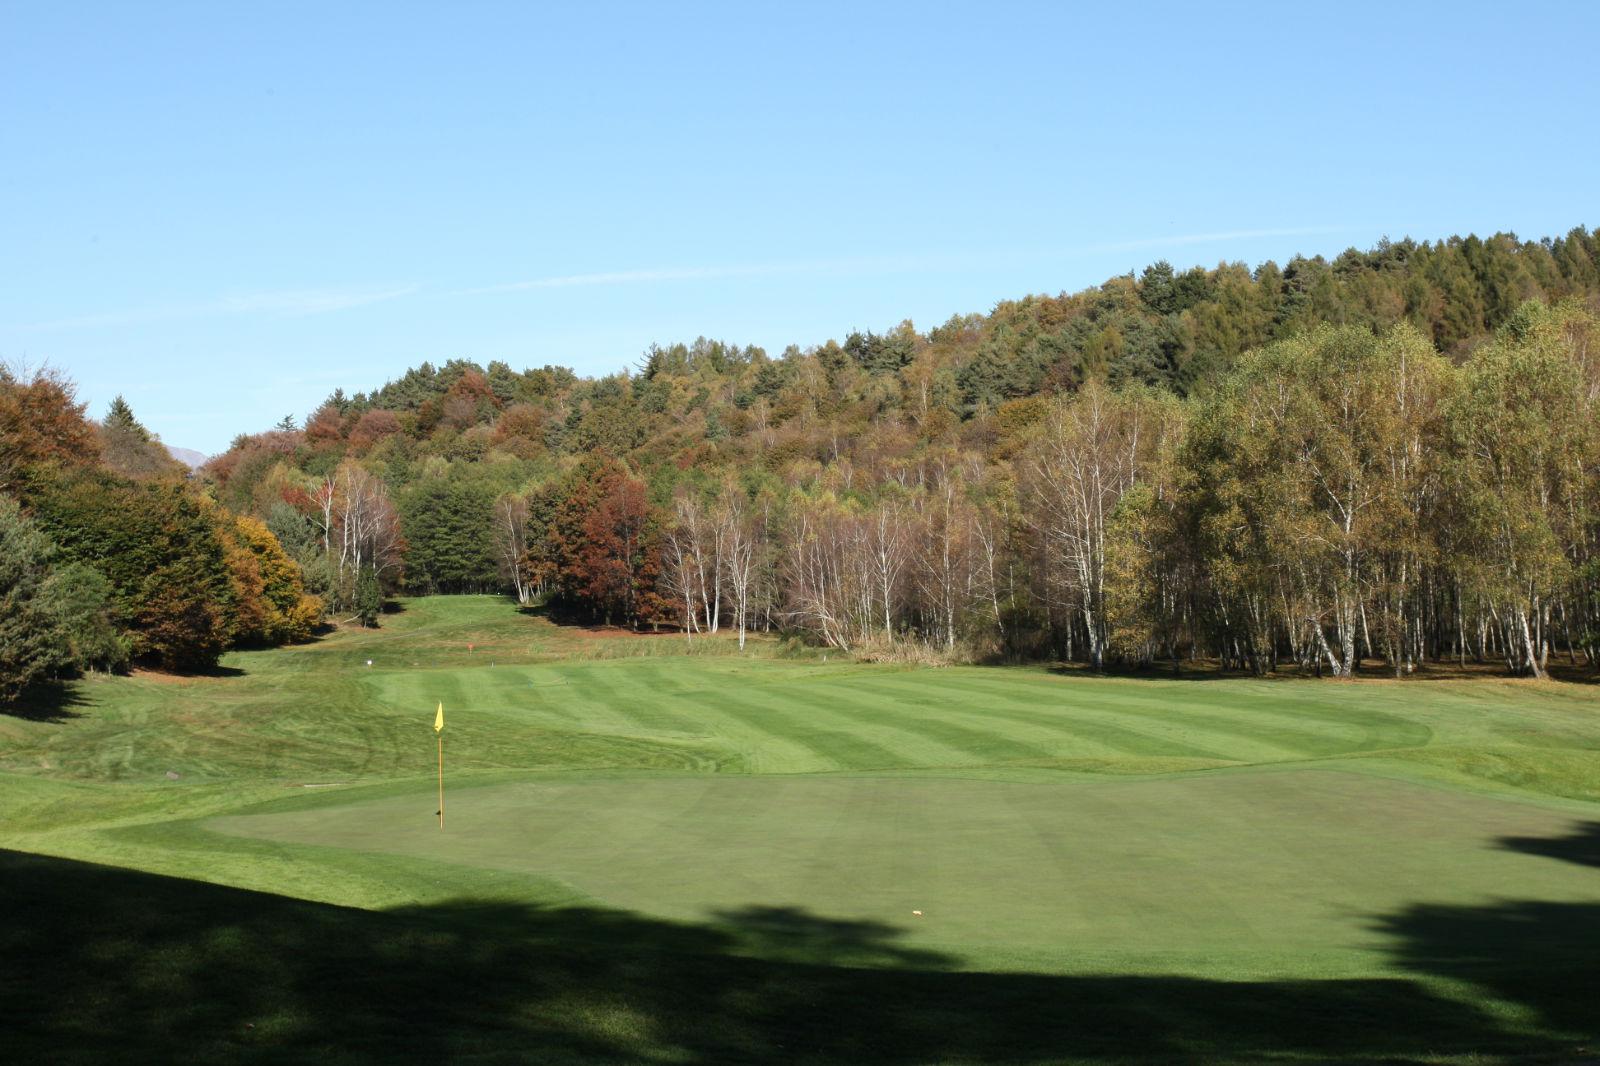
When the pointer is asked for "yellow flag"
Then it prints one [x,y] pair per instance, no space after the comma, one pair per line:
[438,720]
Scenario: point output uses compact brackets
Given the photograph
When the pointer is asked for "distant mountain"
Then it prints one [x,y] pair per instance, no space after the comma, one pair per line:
[188,457]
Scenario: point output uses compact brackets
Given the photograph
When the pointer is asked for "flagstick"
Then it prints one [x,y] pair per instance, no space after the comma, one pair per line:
[441,780]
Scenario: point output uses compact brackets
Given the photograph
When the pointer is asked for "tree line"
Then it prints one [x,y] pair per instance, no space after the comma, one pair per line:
[1386,456]
[110,554]
[1015,484]
[1339,497]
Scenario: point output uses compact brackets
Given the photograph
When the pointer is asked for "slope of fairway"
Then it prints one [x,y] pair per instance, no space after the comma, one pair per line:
[523,694]
[1395,853]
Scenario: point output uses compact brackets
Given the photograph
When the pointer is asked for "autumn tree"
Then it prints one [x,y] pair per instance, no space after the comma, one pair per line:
[599,548]
[271,603]
[41,422]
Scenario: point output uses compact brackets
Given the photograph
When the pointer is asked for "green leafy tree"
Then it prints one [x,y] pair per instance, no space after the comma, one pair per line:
[368,597]
[82,600]
[1522,432]
[159,547]
[32,644]
[448,526]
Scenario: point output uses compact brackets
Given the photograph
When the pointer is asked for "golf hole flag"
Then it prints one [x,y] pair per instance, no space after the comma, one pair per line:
[438,728]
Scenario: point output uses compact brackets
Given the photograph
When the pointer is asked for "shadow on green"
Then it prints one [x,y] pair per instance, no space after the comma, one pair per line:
[103,964]
[1582,846]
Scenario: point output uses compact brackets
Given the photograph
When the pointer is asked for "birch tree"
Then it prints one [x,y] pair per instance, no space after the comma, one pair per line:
[511,542]
[360,527]
[1518,434]
[1086,454]
[743,540]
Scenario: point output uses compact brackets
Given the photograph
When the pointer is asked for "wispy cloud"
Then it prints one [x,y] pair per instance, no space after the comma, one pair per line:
[666,274]
[289,303]
[313,301]
[295,303]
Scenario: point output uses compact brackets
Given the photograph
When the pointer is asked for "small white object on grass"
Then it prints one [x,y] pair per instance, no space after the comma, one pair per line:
[917,913]
[369,662]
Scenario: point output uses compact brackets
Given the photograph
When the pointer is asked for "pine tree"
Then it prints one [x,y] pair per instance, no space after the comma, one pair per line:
[368,597]
[119,416]
[127,447]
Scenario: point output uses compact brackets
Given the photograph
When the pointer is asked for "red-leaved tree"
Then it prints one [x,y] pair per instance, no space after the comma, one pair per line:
[600,552]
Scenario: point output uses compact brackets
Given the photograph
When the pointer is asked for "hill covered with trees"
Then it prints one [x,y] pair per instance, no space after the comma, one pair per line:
[1391,455]
[1388,455]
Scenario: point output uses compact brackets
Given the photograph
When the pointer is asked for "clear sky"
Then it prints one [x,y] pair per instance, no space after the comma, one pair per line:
[224,210]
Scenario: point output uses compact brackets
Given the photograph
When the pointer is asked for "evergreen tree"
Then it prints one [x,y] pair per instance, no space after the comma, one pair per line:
[368,597]
[127,447]
[447,525]
[119,416]
[32,644]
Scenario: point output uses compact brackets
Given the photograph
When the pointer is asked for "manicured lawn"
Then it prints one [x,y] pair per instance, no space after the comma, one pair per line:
[678,853]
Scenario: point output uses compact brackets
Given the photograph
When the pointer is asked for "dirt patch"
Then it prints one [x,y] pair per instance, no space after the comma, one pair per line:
[161,677]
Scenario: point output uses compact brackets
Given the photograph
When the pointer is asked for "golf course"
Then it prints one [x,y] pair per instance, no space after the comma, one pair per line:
[670,851]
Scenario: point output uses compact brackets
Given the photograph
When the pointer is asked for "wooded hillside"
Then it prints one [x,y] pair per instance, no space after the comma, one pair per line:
[1389,455]
[1393,455]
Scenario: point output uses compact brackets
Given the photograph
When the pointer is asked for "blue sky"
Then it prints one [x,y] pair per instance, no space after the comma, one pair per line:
[223,211]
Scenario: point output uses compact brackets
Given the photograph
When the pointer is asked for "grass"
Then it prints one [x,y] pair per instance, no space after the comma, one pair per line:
[653,855]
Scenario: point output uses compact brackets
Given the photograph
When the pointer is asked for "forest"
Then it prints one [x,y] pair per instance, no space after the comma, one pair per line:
[1378,462]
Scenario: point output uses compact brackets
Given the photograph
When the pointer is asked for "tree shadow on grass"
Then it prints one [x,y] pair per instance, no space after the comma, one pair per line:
[1581,846]
[791,934]
[102,964]
[51,702]
[1538,955]
[217,670]
[1533,953]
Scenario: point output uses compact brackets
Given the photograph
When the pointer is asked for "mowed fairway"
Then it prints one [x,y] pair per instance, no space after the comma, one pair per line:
[654,852]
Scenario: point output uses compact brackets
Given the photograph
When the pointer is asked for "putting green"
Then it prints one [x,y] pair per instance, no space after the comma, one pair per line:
[1252,872]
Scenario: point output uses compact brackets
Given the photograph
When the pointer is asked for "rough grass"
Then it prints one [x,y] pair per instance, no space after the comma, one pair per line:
[690,854]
